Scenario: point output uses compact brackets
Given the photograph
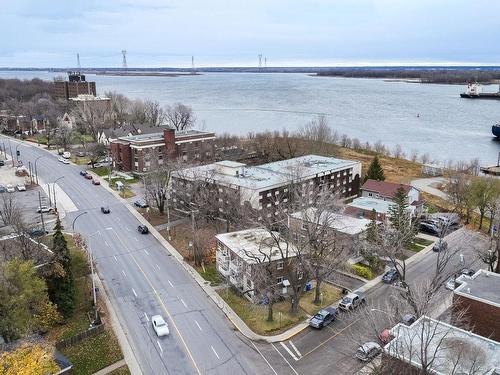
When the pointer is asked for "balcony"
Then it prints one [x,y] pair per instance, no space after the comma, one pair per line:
[235,268]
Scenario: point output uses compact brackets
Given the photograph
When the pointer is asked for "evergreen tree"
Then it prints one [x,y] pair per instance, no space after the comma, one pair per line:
[60,282]
[372,234]
[375,171]
[404,228]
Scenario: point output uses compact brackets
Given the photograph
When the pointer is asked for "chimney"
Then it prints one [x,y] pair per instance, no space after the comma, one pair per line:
[169,140]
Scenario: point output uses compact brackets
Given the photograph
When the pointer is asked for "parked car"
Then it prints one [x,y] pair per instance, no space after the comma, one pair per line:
[105,210]
[430,228]
[2,163]
[385,336]
[83,173]
[368,351]
[451,283]
[10,188]
[37,233]
[96,182]
[66,154]
[141,204]
[408,319]
[43,209]
[2,189]
[390,276]
[440,246]
[467,271]
[65,161]
[323,317]
[352,300]
[159,325]
[143,229]
[88,176]
[21,187]
[80,154]
[60,158]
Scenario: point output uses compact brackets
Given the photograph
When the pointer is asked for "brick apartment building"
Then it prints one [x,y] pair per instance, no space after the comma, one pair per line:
[267,186]
[74,86]
[140,153]
[239,256]
[480,296]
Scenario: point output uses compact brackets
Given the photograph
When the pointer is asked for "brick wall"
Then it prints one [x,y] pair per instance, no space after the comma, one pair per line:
[483,318]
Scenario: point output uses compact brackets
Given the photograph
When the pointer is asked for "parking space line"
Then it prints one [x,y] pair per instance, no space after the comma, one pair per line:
[106,242]
[282,356]
[124,274]
[109,228]
[289,351]
[264,358]
[135,294]
[114,256]
[146,315]
[170,283]
[161,349]
[198,325]
[215,352]
[146,252]
[184,303]
[157,266]
[295,348]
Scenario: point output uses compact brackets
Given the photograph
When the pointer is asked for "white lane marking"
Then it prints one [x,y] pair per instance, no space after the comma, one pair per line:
[184,303]
[161,349]
[136,238]
[170,283]
[114,256]
[215,352]
[106,242]
[295,348]
[271,367]
[198,325]
[157,266]
[133,291]
[282,356]
[124,274]
[146,252]
[146,315]
[289,351]
[117,219]
[109,228]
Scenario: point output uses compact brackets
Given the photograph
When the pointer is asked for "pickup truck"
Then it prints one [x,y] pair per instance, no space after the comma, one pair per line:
[352,300]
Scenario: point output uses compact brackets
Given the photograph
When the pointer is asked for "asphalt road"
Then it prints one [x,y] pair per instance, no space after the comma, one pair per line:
[143,280]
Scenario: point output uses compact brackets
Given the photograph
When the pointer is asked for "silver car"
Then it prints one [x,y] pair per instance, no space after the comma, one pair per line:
[159,325]
[368,351]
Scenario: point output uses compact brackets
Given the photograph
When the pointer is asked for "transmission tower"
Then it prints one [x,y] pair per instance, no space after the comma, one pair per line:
[124,61]
[260,61]
[193,71]
[265,62]
[78,62]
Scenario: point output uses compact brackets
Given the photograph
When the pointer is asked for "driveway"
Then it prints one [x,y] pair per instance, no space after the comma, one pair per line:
[427,185]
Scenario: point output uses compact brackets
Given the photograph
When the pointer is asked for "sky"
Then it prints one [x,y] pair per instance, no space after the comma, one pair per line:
[166,33]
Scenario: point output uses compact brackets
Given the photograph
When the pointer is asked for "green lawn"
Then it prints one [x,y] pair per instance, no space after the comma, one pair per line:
[364,271]
[330,295]
[94,353]
[255,316]
[120,371]
[211,274]
[101,171]
[423,241]
[415,247]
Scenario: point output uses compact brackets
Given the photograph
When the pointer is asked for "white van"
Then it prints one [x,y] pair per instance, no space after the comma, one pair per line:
[66,154]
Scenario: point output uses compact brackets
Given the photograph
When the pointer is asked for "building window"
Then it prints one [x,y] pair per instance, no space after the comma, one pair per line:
[279,265]
[279,279]
[249,284]
[300,275]
[268,194]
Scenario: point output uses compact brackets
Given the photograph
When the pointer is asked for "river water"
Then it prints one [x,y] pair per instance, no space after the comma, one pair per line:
[429,118]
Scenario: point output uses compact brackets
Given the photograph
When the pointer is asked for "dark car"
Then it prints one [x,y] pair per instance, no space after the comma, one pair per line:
[390,276]
[440,246]
[467,271]
[105,210]
[430,228]
[83,173]
[323,317]
[37,233]
[96,182]
[143,229]
[141,204]
[88,177]
[2,163]
[408,319]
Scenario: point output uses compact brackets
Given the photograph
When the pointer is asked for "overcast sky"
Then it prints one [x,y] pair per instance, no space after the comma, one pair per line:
[49,33]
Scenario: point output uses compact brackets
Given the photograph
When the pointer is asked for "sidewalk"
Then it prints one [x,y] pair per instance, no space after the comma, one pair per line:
[114,366]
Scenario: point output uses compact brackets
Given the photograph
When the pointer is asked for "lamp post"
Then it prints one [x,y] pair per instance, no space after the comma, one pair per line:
[17,151]
[74,220]
[54,191]
[36,170]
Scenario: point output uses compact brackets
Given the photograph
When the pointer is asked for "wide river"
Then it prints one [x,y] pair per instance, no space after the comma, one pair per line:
[429,118]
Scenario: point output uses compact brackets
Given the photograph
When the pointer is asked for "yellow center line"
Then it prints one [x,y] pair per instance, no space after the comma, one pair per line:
[332,337]
[157,295]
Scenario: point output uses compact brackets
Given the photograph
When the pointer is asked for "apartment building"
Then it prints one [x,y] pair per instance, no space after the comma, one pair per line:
[479,295]
[140,153]
[75,85]
[240,255]
[267,186]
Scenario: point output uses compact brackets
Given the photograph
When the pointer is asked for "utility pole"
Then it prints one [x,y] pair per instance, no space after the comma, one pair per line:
[124,60]
[260,61]
[11,154]
[41,211]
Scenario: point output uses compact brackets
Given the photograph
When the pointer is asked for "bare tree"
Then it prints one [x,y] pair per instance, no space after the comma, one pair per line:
[157,182]
[10,211]
[120,107]
[155,115]
[203,244]
[92,117]
[179,116]
[95,152]
[63,136]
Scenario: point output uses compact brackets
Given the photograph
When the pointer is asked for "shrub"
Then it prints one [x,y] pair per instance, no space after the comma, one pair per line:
[363,271]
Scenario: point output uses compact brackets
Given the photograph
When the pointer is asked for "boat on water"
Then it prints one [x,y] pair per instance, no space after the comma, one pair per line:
[495,129]
[474,91]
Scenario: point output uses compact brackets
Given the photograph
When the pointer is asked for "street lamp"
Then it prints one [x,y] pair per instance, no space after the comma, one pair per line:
[17,153]
[74,220]
[36,170]
[54,190]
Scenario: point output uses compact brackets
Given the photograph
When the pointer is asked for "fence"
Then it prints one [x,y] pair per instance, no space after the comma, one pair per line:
[80,337]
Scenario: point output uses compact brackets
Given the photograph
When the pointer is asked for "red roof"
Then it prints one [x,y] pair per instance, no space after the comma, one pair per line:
[385,189]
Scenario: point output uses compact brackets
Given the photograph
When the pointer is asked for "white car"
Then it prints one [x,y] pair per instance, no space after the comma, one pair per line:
[65,161]
[43,209]
[159,325]
[10,188]
[61,159]
[21,187]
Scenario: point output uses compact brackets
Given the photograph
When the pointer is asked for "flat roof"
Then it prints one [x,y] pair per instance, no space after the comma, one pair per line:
[379,205]
[444,344]
[337,221]
[179,134]
[483,286]
[256,243]
[271,174]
